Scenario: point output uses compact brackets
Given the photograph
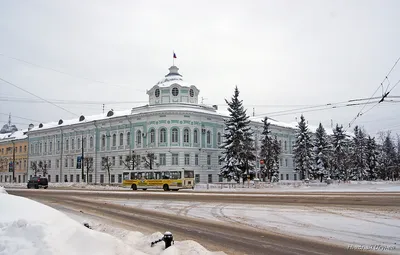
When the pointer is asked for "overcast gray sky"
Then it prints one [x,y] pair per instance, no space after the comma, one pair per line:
[281,54]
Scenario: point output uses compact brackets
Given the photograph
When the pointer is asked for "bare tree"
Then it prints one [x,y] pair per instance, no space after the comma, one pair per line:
[34,167]
[88,163]
[131,162]
[149,161]
[106,164]
[43,166]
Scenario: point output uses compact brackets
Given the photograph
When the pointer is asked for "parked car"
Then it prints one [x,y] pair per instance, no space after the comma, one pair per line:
[38,182]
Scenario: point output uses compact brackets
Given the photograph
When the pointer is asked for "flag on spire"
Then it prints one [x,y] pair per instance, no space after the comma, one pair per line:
[174,55]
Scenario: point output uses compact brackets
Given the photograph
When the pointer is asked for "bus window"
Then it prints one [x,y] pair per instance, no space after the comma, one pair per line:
[165,175]
[176,175]
[126,176]
[189,174]
[133,176]
[150,175]
[157,175]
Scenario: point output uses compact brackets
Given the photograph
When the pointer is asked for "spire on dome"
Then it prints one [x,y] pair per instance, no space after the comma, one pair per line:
[173,70]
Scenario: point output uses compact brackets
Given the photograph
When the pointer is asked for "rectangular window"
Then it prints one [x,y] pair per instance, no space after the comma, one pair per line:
[162,160]
[174,159]
[120,178]
[112,178]
[72,163]
[209,160]
[113,161]
[71,178]
[210,178]
[48,178]
[197,178]
[120,160]
[78,178]
[101,178]
[286,163]
[66,162]
[90,178]
[219,160]
[196,159]
[73,143]
[66,144]
[65,178]
[281,176]
[57,180]
[49,165]
[50,147]
[220,178]
[58,163]
[187,159]
[295,177]
[287,176]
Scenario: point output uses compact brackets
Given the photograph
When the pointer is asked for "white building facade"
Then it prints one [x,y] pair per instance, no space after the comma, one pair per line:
[180,132]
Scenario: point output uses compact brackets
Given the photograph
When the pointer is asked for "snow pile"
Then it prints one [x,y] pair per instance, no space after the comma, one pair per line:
[2,190]
[44,230]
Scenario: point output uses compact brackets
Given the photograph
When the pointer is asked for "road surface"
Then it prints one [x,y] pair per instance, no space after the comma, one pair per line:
[213,235]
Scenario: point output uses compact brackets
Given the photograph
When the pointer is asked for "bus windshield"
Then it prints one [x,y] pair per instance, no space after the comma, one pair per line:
[189,174]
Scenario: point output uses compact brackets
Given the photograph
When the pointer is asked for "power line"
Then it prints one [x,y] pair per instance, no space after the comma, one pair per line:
[2,113]
[62,72]
[12,84]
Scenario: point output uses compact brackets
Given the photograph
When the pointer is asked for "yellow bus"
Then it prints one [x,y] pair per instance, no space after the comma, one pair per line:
[159,179]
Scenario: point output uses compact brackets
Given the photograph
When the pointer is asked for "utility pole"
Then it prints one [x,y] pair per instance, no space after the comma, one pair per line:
[13,163]
[82,163]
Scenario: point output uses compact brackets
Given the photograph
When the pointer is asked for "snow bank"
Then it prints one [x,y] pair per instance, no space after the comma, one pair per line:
[2,190]
[42,229]
[29,227]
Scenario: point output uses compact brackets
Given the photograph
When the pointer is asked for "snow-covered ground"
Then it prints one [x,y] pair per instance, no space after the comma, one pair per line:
[29,227]
[356,226]
[282,186]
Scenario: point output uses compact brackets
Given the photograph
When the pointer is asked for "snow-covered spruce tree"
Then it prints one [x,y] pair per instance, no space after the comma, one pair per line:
[372,158]
[268,151]
[276,152]
[358,155]
[238,142]
[340,154]
[322,151]
[387,159]
[303,150]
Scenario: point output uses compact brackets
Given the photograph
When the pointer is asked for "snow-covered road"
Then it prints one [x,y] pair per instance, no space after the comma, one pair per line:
[352,227]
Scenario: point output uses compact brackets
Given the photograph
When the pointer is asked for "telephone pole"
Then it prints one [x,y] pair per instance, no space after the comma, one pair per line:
[82,163]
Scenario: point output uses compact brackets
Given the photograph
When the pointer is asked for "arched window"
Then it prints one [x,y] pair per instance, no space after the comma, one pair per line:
[152,136]
[79,143]
[66,144]
[208,137]
[195,136]
[163,135]
[139,137]
[186,135]
[121,139]
[174,135]
[45,147]
[73,143]
[84,142]
[128,138]
[58,145]
[285,145]
[114,141]
[40,148]
[91,142]
[103,141]
[219,138]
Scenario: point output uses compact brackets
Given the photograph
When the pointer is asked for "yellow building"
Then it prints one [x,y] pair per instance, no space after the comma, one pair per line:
[14,152]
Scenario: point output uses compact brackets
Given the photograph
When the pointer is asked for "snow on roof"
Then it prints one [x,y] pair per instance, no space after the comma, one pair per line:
[172,79]
[17,135]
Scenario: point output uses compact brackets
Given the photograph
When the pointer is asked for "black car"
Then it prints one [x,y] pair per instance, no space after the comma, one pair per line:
[38,182]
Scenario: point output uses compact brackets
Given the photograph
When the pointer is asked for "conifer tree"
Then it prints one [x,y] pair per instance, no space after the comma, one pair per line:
[239,144]
[269,152]
[322,151]
[372,158]
[340,154]
[303,149]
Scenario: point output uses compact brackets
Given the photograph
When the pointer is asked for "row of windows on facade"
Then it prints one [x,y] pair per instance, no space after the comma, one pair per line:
[162,160]
[8,178]
[9,149]
[18,163]
[139,135]
[162,137]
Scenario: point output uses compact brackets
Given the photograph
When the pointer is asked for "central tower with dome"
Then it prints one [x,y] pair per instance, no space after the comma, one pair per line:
[172,89]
